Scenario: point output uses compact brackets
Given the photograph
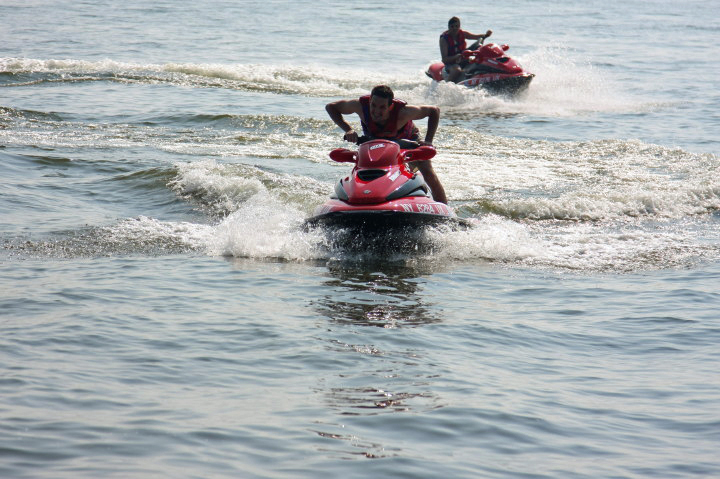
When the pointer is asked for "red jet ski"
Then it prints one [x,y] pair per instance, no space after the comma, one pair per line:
[488,67]
[381,193]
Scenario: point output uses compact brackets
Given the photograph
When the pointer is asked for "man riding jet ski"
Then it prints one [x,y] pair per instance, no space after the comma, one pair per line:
[384,117]
[452,45]
[485,66]
[383,193]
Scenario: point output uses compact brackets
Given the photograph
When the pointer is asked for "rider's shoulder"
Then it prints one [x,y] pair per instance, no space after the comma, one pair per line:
[350,103]
[416,112]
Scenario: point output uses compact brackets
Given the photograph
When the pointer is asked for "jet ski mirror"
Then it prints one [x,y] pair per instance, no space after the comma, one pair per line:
[343,155]
[422,153]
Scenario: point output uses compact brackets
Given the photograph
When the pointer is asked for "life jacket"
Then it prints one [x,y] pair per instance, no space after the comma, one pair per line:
[406,132]
[454,47]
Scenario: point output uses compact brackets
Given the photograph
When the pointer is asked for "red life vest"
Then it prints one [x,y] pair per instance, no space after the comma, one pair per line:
[389,130]
[454,47]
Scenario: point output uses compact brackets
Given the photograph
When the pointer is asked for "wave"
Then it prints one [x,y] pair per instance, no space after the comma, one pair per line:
[282,79]
[265,228]
[521,179]
[259,215]
[604,180]
[134,236]
[516,179]
[563,86]
[617,205]
[222,189]
[581,247]
[262,213]
[8,115]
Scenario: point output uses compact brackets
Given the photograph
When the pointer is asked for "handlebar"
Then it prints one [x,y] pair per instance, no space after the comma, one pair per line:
[404,144]
[491,50]
[413,151]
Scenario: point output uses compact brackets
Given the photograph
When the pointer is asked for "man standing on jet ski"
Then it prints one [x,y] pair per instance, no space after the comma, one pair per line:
[452,44]
[384,116]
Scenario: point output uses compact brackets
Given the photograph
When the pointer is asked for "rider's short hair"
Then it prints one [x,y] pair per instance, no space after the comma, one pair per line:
[453,20]
[383,91]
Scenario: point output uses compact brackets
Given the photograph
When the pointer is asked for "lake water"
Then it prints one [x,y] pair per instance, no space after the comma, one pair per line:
[164,315]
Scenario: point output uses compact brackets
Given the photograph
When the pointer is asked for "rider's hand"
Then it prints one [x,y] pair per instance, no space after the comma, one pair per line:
[350,136]
[488,33]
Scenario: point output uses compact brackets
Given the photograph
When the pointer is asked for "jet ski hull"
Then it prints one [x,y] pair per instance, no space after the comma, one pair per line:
[381,202]
[501,84]
[408,212]
[488,68]
[382,220]
[494,83]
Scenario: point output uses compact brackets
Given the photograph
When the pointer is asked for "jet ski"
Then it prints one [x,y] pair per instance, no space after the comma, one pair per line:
[381,193]
[488,67]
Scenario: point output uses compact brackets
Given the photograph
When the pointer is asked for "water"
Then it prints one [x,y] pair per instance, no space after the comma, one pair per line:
[163,315]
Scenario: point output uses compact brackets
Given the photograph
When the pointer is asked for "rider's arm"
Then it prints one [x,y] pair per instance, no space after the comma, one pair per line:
[337,109]
[432,113]
[473,36]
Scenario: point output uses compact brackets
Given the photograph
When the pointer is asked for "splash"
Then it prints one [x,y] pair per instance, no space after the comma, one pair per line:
[562,87]
[492,238]
[262,212]
[265,227]
[588,206]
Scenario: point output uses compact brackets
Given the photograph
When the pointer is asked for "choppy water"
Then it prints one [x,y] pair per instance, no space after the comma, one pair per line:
[164,315]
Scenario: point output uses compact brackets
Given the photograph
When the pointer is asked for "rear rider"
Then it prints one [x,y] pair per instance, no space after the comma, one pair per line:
[452,44]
